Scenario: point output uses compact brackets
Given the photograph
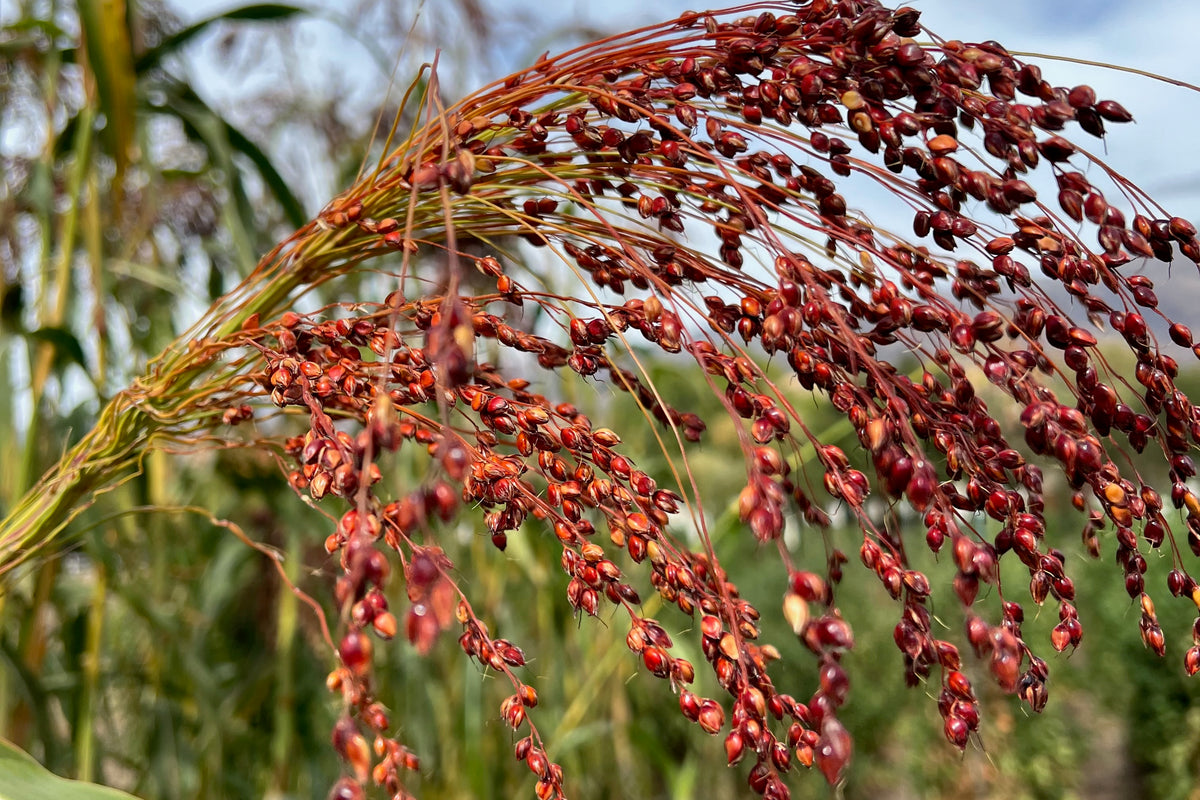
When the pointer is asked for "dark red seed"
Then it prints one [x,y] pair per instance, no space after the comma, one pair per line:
[1181,229]
[657,661]
[711,717]
[957,731]
[1081,97]
[833,750]
[355,652]
[1113,111]
[1071,203]
[1144,296]
[1056,148]
[1181,334]
[1191,660]
[735,748]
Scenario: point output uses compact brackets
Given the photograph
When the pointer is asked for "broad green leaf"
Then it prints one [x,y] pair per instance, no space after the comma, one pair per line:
[23,778]
[110,56]
[264,12]
[67,349]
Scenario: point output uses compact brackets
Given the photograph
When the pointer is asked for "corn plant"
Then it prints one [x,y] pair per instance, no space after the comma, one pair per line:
[686,192]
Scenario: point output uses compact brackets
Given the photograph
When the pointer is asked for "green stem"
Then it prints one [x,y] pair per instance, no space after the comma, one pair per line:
[283,729]
[32,637]
[84,728]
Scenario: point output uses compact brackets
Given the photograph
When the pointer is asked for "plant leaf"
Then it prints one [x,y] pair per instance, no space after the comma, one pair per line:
[205,126]
[110,57]
[275,182]
[262,12]
[67,349]
[23,778]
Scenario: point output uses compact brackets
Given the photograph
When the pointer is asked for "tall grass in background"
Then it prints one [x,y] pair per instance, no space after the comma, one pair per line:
[553,357]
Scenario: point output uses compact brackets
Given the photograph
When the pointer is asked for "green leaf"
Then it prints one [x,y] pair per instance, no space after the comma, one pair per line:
[29,35]
[264,12]
[23,778]
[110,56]
[275,182]
[67,349]
[205,126]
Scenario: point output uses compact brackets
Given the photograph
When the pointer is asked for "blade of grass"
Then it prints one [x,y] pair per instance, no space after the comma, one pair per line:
[110,57]
[85,724]
[284,713]
[259,12]
[292,207]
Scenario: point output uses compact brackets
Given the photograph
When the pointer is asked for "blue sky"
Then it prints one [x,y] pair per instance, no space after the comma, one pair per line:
[1152,35]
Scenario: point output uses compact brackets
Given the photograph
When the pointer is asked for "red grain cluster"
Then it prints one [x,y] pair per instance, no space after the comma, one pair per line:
[742,126]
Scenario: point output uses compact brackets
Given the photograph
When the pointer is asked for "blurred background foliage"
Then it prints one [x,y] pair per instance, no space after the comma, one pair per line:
[163,656]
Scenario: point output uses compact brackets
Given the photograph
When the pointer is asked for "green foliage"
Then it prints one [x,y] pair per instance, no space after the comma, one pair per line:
[22,778]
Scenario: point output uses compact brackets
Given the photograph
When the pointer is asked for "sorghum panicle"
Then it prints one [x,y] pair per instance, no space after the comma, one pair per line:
[743,126]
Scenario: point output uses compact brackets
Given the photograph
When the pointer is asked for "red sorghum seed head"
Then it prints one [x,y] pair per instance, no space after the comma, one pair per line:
[722,148]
